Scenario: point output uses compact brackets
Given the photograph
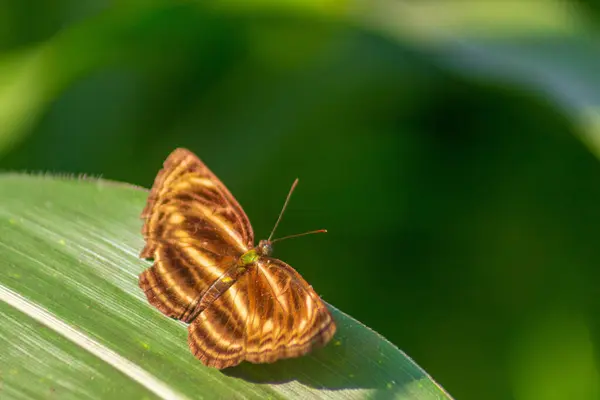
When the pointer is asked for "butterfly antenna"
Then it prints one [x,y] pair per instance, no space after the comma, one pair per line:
[283,209]
[299,234]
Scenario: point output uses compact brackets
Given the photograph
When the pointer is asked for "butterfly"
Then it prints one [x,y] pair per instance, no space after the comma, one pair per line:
[240,303]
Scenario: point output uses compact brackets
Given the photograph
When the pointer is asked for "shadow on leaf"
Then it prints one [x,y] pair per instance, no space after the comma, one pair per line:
[354,359]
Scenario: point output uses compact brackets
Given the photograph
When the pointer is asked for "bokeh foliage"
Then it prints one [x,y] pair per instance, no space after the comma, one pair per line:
[449,147]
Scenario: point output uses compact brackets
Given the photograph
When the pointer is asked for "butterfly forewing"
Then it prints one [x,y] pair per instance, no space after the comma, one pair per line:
[186,187]
[196,232]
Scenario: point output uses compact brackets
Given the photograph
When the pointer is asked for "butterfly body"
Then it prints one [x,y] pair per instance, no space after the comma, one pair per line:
[249,257]
[241,303]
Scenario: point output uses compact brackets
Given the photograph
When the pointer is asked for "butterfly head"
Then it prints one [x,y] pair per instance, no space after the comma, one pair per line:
[265,248]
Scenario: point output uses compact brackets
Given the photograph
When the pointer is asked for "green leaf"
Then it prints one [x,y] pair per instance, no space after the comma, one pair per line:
[75,324]
[544,47]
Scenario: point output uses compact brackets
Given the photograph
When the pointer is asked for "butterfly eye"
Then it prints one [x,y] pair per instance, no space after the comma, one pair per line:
[265,248]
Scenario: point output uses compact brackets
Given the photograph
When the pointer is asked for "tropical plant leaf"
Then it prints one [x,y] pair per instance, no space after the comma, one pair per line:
[549,48]
[75,324]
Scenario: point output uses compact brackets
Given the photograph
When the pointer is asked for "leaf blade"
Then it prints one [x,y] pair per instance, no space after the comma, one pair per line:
[69,252]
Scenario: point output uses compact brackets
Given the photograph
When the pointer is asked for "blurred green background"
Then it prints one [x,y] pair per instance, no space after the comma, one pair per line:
[449,147]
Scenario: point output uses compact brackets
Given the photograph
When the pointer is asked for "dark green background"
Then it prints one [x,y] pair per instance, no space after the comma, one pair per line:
[463,211]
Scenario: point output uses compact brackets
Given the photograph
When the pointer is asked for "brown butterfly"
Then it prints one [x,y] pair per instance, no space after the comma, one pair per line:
[241,304]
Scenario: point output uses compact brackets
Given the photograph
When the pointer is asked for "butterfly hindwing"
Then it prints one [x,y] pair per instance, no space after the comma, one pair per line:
[217,337]
[289,318]
[270,313]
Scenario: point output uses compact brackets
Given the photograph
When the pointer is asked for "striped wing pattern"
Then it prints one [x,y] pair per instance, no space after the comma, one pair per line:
[270,313]
[196,233]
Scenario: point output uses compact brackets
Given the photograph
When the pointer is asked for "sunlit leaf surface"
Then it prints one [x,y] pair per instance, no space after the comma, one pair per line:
[75,325]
